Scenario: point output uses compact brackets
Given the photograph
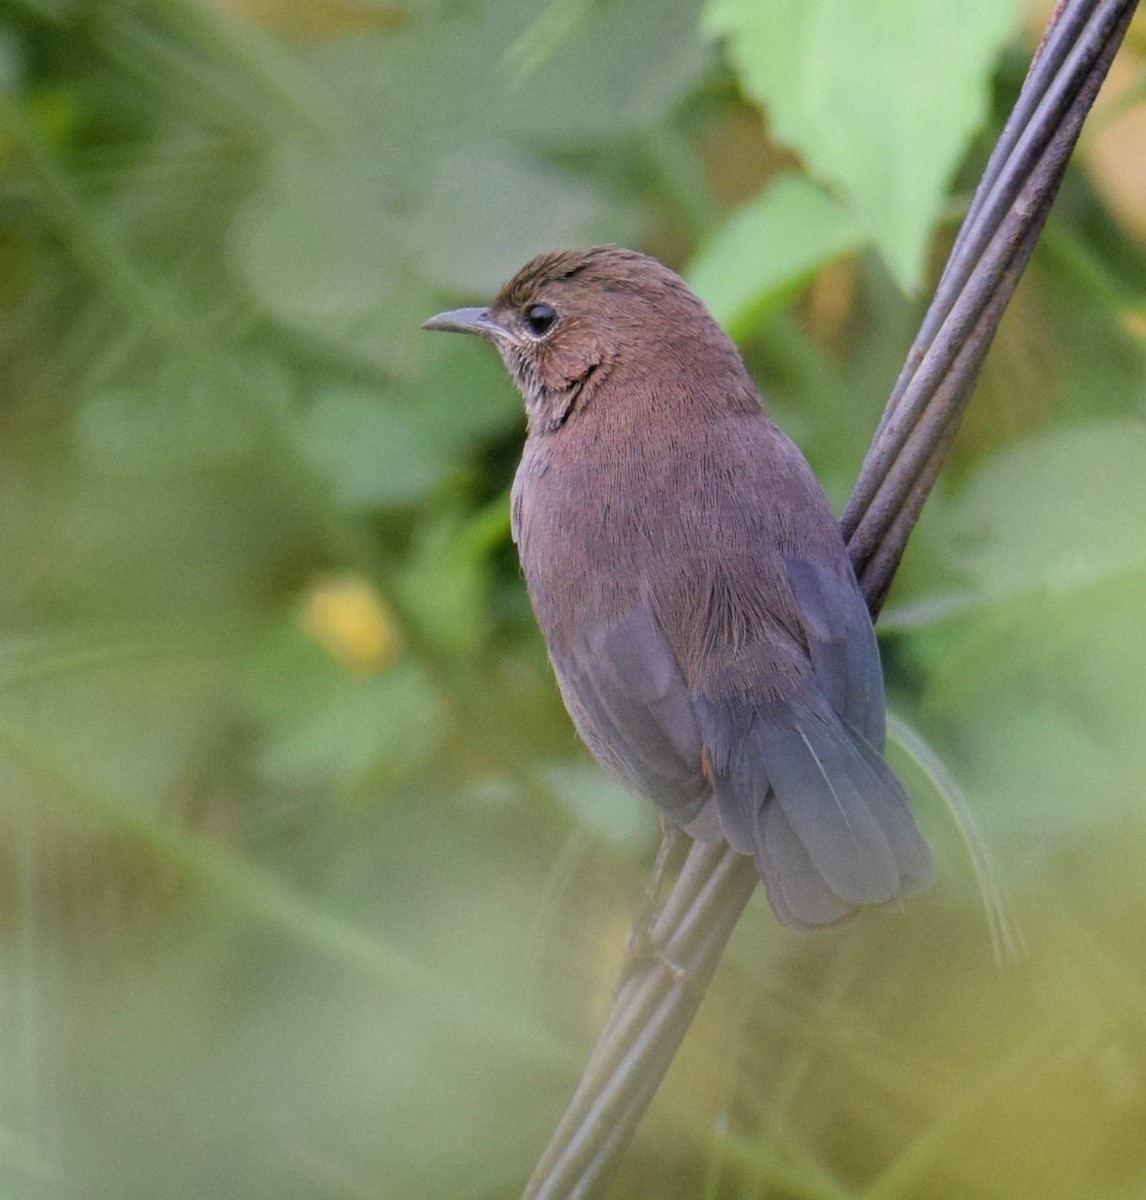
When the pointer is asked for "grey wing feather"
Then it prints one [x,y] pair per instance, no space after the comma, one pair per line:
[845,656]
[628,699]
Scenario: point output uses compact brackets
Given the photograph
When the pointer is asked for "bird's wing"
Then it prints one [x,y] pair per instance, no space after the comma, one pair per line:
[628,698]
[794,725]
[841,642]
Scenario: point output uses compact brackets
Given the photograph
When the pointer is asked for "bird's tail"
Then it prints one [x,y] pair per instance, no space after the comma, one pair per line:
[825,817]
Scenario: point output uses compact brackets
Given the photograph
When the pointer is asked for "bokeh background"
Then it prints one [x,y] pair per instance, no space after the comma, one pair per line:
[306,888]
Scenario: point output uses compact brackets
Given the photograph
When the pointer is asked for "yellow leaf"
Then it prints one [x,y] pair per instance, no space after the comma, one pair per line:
[347,616]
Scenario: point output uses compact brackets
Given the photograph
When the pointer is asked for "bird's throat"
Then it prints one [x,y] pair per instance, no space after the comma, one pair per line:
[555,408]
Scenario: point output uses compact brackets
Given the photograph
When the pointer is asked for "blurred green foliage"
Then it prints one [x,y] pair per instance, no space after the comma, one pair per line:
[307,889]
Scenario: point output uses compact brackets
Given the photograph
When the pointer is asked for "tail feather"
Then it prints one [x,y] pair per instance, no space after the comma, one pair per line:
[822,783]
[891,807]
[826,818]
[796,890]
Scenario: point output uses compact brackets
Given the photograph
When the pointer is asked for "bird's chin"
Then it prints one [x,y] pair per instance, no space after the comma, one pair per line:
[524,378]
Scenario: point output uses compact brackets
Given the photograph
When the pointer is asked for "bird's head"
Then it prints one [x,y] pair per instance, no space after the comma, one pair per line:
[569,320]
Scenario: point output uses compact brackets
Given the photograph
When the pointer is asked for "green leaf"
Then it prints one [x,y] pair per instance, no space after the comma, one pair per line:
[879,99]
[326,727]
[463,394]
[447,578]
[618,70]
[1051,516]
[539,208]
[370,451]
[184,419]
[434,173]
[1043,662]
[601,806]
[323,254]
[388,721]
[769,247]
[111,715]
[1051,538]
[1055,513]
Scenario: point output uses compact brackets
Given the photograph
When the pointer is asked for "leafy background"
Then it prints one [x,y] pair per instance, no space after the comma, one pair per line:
[307,889]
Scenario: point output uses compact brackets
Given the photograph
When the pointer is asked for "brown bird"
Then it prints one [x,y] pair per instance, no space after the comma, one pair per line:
[700,610]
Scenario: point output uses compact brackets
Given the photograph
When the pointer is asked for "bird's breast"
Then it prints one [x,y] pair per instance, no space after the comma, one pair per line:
[577,522]
[687,521]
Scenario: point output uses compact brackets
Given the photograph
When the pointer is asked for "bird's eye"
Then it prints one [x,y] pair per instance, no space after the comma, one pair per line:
[539,318]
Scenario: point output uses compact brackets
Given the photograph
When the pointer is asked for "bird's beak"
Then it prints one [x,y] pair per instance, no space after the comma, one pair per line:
[468,320]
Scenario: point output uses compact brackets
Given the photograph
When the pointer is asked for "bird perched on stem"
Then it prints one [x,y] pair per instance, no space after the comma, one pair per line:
[699,607]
